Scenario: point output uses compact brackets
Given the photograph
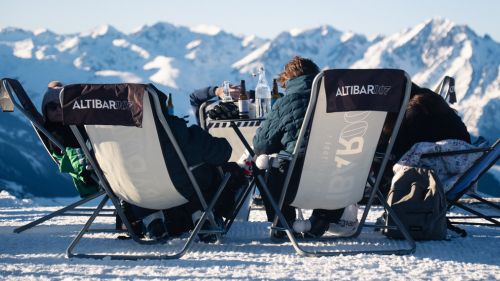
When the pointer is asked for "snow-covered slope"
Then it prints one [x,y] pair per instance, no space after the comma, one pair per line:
[246,253]
[180,59]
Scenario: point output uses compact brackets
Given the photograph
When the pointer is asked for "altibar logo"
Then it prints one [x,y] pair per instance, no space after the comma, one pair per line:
[102,104]
[363,90]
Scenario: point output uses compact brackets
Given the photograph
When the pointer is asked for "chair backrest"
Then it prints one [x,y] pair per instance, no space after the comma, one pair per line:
[223,130]
[6,103]
[344,121]
[446,89]
[123,127]
[11,88]
[472,175]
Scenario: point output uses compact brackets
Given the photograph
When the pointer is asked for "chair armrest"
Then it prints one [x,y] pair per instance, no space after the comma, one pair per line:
[456,152]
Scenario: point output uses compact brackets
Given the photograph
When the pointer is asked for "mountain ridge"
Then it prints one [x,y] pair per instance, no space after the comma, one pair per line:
[179,59]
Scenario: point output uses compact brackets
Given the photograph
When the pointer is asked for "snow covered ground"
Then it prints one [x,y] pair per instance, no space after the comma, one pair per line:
[247,253]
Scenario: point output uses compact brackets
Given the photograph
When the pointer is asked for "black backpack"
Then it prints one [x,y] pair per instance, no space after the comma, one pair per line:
[418,199]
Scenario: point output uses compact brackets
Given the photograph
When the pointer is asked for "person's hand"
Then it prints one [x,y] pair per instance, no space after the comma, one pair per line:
[234,91]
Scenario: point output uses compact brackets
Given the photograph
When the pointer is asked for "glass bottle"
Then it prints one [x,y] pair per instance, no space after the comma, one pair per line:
[170,105]
[275,94]
[227,95]
[262,95]
[243,102]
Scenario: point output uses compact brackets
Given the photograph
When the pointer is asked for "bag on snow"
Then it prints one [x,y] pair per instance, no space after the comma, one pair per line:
[417,197]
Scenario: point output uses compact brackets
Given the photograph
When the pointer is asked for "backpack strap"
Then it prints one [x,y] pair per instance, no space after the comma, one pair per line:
[455,229]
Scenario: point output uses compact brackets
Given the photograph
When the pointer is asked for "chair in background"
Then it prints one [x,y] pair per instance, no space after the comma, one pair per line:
[467,180]
[446,89]
[10,89]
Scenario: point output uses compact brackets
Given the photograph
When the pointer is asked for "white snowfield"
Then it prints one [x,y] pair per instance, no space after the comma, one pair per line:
[246,254]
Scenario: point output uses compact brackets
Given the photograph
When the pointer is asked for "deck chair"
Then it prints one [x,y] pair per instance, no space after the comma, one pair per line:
[123,133]
[446,89]
[9,91]
[338,139]
[469,178]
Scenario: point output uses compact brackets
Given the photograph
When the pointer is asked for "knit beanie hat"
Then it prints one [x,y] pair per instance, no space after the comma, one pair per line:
[51,96]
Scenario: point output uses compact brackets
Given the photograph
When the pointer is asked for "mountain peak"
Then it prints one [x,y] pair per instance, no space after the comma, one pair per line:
[439,21]
[323,30]
[206,29]
[101,30]
[42,31]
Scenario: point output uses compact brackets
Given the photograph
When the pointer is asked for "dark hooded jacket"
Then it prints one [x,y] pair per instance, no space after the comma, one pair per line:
[198,147]
[281,128]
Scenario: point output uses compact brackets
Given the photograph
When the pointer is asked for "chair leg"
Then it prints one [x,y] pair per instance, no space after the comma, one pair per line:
[301,251]
[205,216]
[281,218]
[474,212]
[79,236]
[59,212]
[482,200]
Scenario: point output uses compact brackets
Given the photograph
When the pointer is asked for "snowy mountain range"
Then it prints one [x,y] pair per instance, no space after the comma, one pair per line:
[179,59]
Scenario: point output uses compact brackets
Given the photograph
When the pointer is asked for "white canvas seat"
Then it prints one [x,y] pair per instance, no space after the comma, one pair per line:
[129,156]
[123,132]
[339,137]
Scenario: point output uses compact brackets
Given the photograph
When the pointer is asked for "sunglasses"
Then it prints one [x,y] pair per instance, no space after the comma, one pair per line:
[53,106]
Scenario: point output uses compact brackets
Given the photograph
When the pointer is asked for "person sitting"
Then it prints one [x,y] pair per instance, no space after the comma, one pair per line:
[280,131]
[72,160]
[198,147]
[428,118]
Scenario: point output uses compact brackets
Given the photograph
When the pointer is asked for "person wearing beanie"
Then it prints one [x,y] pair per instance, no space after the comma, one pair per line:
[72,160]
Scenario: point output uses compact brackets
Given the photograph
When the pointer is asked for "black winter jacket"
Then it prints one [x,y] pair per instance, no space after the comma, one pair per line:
[198,146]
[281,128]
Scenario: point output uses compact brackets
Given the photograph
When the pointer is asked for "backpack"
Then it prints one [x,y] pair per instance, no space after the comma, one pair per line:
[418,199]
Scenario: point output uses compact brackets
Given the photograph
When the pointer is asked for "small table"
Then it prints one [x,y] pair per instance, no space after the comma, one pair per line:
[234,123]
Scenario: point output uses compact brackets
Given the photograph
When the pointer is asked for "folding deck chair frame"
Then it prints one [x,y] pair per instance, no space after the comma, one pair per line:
[11,88]
[470,177]
[317,88]
[156,108]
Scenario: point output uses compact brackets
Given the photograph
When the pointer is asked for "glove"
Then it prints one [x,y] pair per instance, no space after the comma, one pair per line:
[224,111]
[245,162]
[82,159]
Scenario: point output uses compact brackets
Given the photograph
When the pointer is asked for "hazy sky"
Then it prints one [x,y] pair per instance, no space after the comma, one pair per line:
[262,18]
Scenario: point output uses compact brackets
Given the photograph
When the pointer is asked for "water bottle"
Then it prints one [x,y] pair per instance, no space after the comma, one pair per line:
[262,95]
